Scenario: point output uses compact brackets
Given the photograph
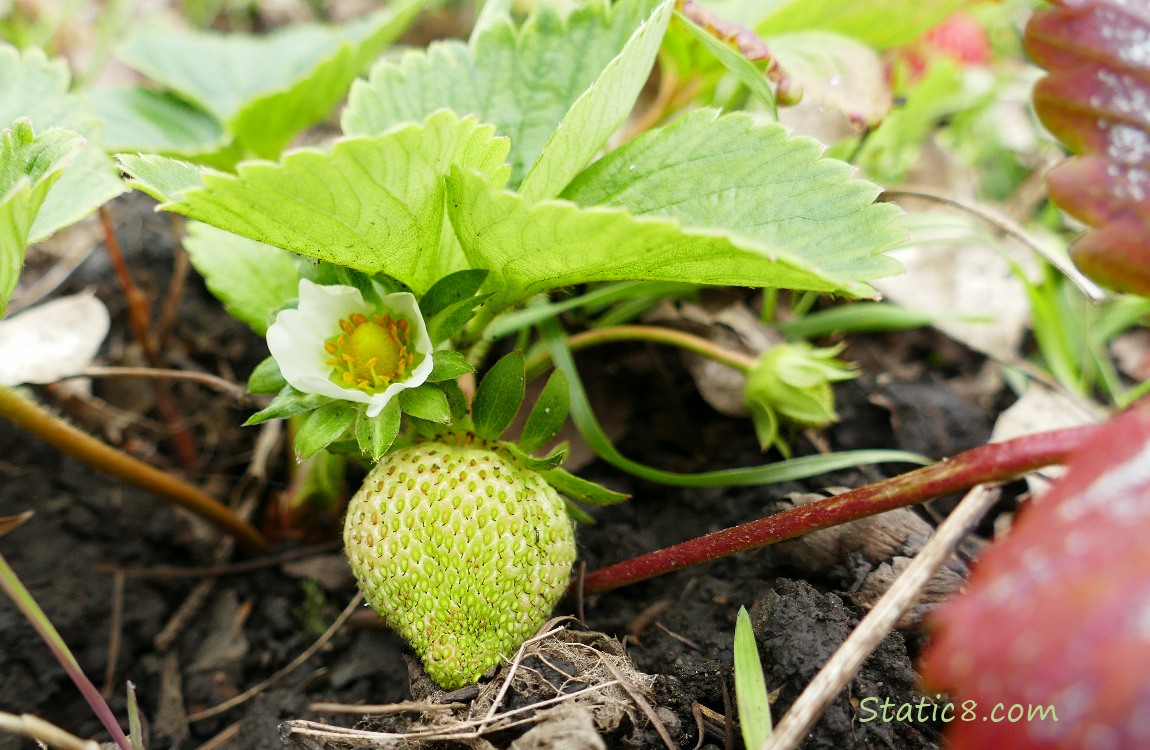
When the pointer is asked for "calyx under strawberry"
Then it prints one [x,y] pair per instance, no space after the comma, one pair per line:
[462,550]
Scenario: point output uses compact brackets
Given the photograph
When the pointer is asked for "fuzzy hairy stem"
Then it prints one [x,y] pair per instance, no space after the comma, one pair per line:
[987,463]
[82,446]
[740,361]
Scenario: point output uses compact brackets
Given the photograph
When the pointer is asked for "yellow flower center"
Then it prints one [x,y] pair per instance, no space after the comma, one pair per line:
[370,354]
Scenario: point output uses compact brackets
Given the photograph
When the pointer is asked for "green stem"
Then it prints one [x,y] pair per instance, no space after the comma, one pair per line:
[82,446]
[539,363]
[473,335]
[22,598]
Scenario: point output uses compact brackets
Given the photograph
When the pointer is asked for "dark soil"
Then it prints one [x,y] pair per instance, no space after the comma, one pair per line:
[678,628]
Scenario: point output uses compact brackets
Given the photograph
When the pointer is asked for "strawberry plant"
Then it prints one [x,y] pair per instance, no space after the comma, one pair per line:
[425,260]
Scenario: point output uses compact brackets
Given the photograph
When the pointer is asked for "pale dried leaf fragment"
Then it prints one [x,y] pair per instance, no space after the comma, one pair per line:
[53,340]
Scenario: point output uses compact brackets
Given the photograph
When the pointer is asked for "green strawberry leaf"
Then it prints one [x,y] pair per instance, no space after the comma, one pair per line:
[160,177]
[29,166]
[548,414]
[267,89]
[321,428]
[138,118]
[33,87]
[372,204]
[448,365]
[879,23]
[599,112]
[375,435]
[837,71]
[252,279]
[522,81]
[287,403]
[267,378]
[498,396]
[451,289]
[725,172]
[426,402]
[530,249]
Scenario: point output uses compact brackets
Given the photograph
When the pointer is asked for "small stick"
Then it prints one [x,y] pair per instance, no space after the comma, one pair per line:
[180,266]
[287,669]
[55,276]
[861,643]
[87,449]
[139,322]
[35,728]
[115,634]
[1009,228]
[382,709]
[226,735]
[163,572]
[641,702]
[238,392]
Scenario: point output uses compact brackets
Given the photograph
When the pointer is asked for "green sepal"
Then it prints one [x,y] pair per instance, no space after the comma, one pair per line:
[329,274]
[374,435]
[582,490]
[577,514]
[452,318]
[451,289]
[790,384]
[323,426]
[457,404]
[552,460]
[498,397]
[266,378]
[421,430]
[287,403]
[426,402]
[448,364]
[766,423]
[318,483]
[548,414]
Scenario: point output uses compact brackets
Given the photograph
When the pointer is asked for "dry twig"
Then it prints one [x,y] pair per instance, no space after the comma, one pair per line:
[861,643]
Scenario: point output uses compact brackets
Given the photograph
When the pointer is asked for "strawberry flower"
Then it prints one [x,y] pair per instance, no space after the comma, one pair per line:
[339,345]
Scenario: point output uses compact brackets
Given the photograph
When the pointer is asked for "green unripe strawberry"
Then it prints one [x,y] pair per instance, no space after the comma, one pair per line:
[461,550]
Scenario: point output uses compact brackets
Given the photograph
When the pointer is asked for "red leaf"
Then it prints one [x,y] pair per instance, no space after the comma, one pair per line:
[1059,613]
[1096,100]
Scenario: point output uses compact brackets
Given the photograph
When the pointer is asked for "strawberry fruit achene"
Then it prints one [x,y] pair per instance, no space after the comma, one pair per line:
[462,550]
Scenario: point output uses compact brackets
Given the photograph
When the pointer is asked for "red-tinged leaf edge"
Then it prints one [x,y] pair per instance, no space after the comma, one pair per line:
[1056,618]
[1096,100]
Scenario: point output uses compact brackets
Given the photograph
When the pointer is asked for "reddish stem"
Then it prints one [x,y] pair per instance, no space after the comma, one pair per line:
[987,463]
[140,322]
[139,318]
[83,447]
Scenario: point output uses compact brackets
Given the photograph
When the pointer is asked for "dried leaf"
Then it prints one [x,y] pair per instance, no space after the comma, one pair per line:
[9,523]
[53,340]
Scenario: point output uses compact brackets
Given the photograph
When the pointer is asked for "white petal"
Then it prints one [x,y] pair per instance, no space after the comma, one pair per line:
[296,340]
